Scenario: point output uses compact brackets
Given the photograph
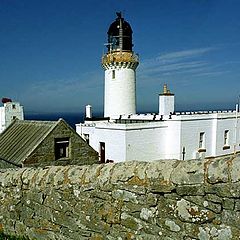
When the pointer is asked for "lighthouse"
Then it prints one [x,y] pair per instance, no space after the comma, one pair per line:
[123,135]
[119,64]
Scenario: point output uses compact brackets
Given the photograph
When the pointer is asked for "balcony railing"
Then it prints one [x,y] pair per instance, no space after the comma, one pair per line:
[120,57]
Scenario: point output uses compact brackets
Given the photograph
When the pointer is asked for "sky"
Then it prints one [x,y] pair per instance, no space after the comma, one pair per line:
[51,52]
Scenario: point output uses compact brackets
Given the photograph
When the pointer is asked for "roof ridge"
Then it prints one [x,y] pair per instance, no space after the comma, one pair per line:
[37,121]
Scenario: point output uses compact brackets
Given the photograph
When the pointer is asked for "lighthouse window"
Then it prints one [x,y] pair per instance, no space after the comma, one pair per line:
[113,74]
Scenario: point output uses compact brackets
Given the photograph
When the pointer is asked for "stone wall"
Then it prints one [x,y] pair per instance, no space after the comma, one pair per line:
[133,200]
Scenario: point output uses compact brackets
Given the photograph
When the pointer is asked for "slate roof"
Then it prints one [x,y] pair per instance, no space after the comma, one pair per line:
[22,137]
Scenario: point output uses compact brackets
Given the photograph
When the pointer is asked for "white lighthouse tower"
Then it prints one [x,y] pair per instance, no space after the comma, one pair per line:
[119,64]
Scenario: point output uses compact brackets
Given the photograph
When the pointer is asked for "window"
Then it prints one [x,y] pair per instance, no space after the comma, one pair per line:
[202,140]
[61,148]
[13,106]
[226,137]
[14,117]
[113,74]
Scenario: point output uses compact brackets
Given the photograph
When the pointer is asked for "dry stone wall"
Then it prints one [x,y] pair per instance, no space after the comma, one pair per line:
[133,200]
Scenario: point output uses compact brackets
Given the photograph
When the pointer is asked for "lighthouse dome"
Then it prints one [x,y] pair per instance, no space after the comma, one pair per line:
[120,35]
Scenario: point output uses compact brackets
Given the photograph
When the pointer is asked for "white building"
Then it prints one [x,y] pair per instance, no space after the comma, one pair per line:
[124,135]
[8,112]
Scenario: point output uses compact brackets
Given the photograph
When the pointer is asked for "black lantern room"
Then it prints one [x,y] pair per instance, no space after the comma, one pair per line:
[120,35]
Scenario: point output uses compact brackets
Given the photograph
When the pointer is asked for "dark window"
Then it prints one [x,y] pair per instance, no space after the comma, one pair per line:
[13,106]
[61,148]
[202,140]
[102,152]
[226,137]
[113,74]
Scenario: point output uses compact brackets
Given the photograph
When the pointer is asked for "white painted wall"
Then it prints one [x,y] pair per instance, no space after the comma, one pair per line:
[172,140]
[146,141]
[2,119]
[115,144]
[9,112]
[213,125]
[226,123]
[88,111]
[191,127]
[156,140]
[166,104]
[120,92]
[113,137]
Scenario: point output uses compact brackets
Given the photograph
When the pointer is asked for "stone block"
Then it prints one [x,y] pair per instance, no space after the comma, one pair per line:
[228,203]
[218,171]
[235,169]
[191,190]
[189,172]
[214,198]
[204,203]
[192,213]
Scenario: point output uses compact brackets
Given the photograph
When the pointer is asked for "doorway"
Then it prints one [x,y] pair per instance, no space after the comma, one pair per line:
[102,152]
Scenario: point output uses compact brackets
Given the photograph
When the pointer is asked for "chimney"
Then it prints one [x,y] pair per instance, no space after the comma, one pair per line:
[166,101]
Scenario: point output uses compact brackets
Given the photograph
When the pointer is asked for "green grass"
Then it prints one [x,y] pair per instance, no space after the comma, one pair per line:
[8,237]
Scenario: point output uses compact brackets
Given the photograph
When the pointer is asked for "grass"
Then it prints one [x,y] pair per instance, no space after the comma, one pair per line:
[8,237]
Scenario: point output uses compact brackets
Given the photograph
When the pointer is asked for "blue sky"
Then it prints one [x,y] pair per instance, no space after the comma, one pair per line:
[51,52]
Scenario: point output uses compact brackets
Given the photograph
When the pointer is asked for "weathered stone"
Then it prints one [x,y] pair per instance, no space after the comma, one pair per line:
[156,187]
[237,206]
[123,174]
[235,169]
[188,212]
[231,218]
[224,233]
[229,190]
[214,198]
[41,234]
[129,222]
[218,171]
[161,172]
[190,190]
[148,237]
[75,174]
[124,196]
[166,209]
[188,173]
[172,226]
[121,201]
[120,232]
[146,214]
[228,203]
[191,230]
[203,202]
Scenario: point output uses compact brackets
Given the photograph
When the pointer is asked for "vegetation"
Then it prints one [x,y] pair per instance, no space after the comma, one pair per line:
[8,237]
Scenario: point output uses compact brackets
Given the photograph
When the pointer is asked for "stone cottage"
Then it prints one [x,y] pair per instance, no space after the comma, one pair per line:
[41,143]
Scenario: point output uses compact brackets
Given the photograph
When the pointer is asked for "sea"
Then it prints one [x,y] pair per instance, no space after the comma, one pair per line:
[73,118]
[70,118]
